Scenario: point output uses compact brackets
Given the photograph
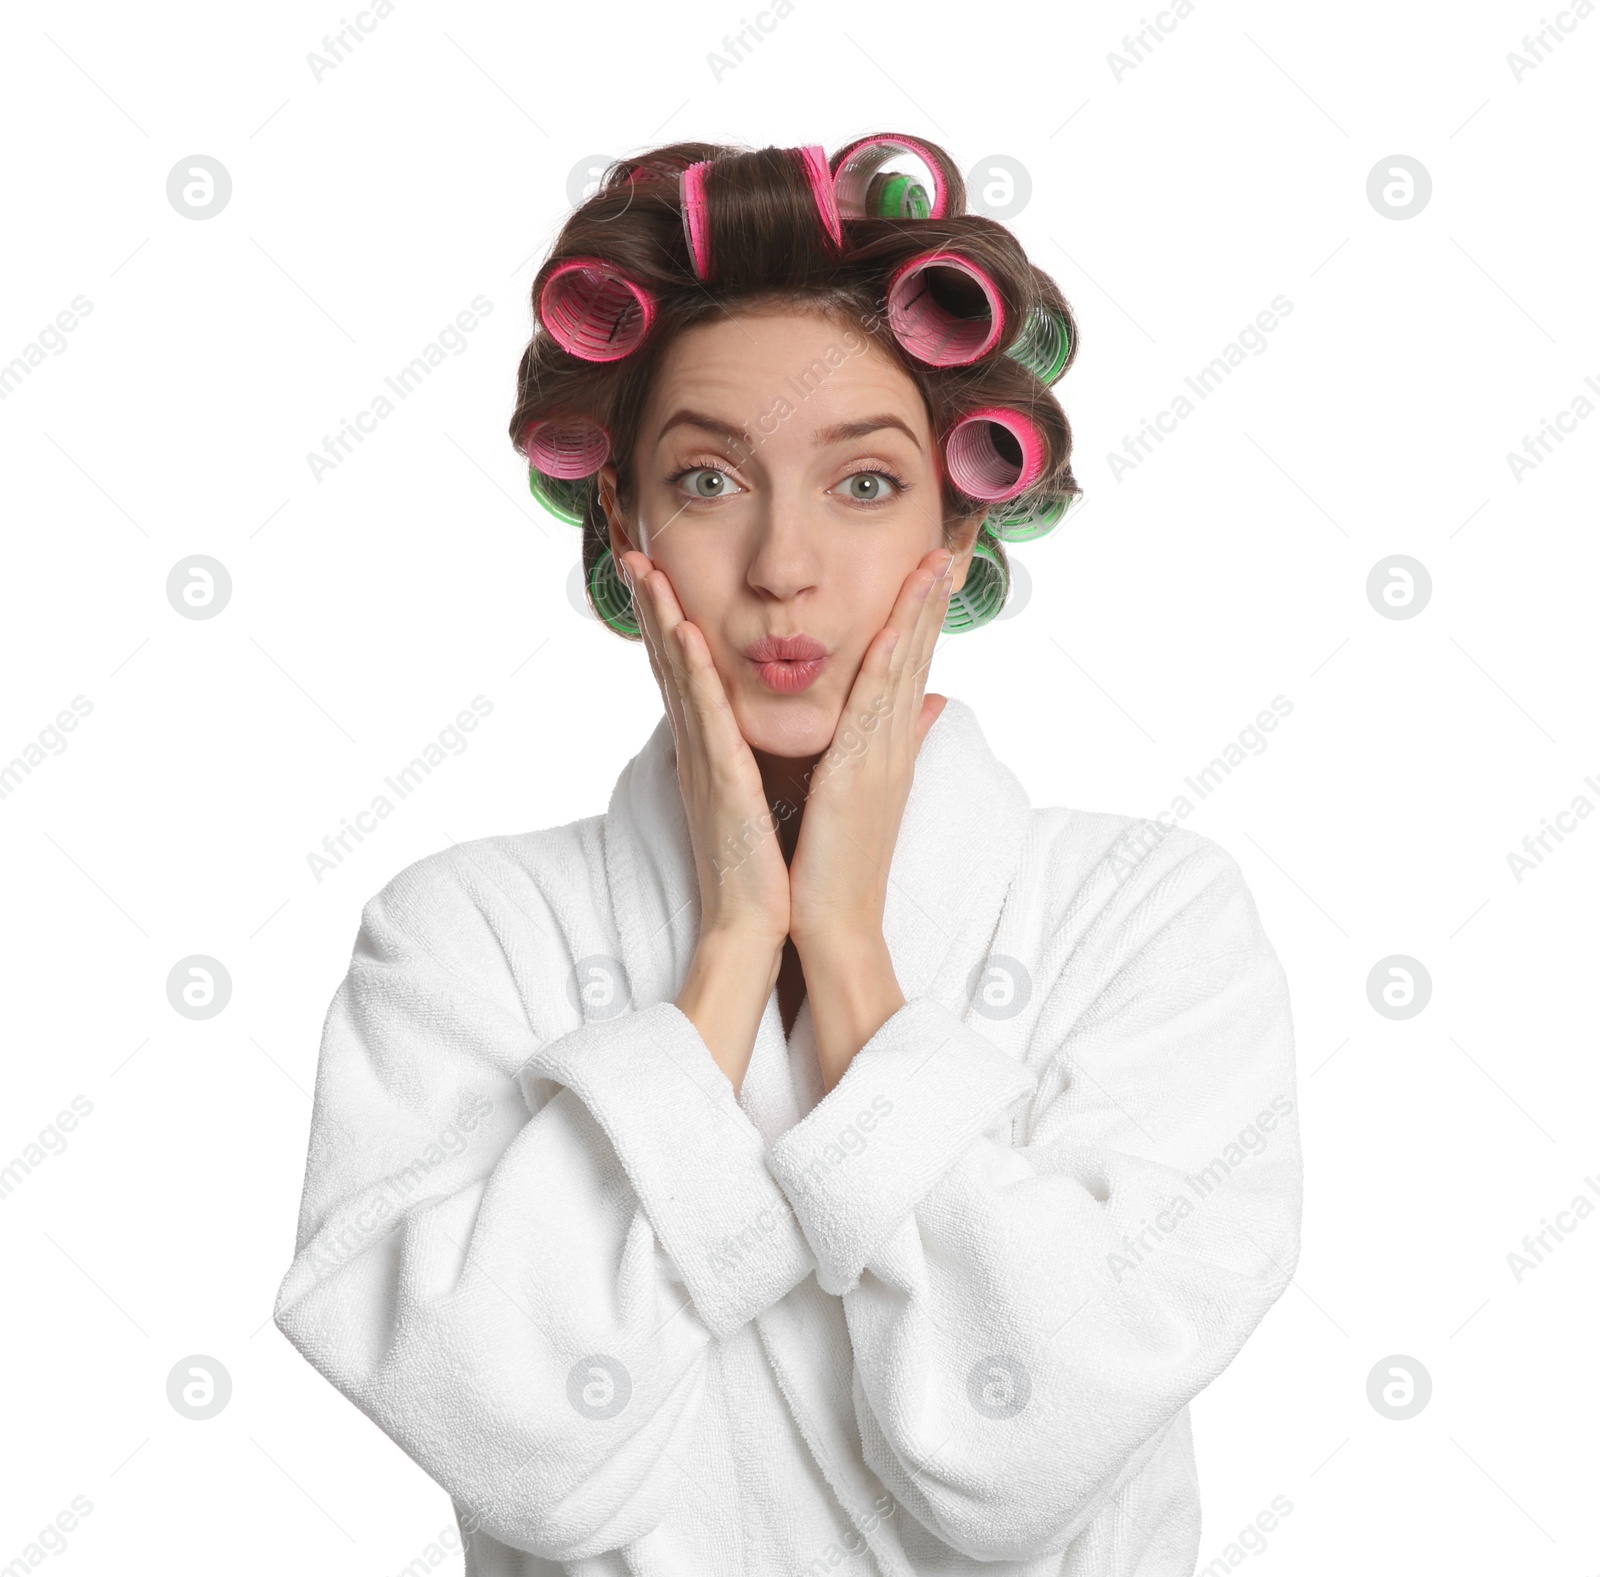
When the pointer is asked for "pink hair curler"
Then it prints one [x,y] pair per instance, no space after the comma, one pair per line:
[594,310]
[696,219]
[815,157]
[855,166]
[979,452]
[567,447]
[931,328]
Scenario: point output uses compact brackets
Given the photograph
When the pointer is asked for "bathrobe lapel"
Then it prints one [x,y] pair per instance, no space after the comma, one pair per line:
[960,848]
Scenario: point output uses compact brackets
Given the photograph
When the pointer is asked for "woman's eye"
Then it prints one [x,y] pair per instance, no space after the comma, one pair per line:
[868,487]
[706,481]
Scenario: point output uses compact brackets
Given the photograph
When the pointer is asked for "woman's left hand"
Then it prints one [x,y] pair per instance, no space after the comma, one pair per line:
[839,876]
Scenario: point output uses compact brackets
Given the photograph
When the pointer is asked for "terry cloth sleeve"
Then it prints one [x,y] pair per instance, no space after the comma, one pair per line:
[523,1293]
[1029,1318]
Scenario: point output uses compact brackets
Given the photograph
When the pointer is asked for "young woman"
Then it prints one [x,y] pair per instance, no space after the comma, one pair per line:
[824,1159]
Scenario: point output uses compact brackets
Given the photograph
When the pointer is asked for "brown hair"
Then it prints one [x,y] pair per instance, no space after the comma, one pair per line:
[769,245]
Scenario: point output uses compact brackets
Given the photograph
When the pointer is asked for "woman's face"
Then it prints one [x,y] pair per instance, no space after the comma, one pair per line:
[787,484]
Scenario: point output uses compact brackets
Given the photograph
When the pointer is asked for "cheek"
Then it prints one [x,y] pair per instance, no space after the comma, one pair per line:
[704,578]
[866,582]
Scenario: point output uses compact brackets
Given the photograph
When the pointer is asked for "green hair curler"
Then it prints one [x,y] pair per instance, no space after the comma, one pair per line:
[610,595]
[1045,344]
[897,196]
[983,595]
[1029,517]
[566,499]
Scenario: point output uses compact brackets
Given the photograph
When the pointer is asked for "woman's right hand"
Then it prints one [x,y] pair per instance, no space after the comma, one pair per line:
[743,879]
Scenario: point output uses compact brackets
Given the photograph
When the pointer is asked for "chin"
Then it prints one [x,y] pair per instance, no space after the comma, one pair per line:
[787,725]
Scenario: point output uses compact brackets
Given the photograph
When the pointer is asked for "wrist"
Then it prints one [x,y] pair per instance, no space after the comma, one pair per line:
[739,950]
[854,992]
[842,944]
[724,993]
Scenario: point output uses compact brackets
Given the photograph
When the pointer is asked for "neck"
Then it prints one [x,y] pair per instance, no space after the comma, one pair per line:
[786,780]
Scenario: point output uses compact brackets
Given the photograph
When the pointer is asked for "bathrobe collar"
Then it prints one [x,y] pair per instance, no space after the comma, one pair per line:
[959,848]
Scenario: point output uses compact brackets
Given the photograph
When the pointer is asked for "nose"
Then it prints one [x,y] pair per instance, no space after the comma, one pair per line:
[784,562]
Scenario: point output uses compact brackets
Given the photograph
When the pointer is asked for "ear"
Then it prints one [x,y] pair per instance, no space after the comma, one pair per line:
[961,541]
[616,521]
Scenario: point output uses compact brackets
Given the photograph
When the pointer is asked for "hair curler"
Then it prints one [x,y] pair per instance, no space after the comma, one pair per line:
[815,159]
[1027,518]
[896,196]
[1044,346]
[567,498]
[612,599]
[856,165]
[983,593]
[594,310]
[566,447]
[995,454]
[695,205]
[945,310]
[696,217]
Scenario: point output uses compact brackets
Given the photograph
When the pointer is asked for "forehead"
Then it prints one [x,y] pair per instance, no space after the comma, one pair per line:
[810,369]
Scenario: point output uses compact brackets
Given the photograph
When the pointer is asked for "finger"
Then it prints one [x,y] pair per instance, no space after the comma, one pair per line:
[915,608]
[689,684]
[880,696]
[664,659]
[905,618]
[635,567]
[913,653]
[932,706]
[868,708]
[667,614]
[926,636]
[725,745]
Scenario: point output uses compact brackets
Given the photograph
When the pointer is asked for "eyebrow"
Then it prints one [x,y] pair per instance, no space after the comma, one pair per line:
[841,432]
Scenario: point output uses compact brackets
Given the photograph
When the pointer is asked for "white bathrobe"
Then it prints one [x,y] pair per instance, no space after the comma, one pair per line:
[945,1319]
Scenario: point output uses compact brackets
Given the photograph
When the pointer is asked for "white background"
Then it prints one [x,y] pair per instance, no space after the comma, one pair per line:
[368,208]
